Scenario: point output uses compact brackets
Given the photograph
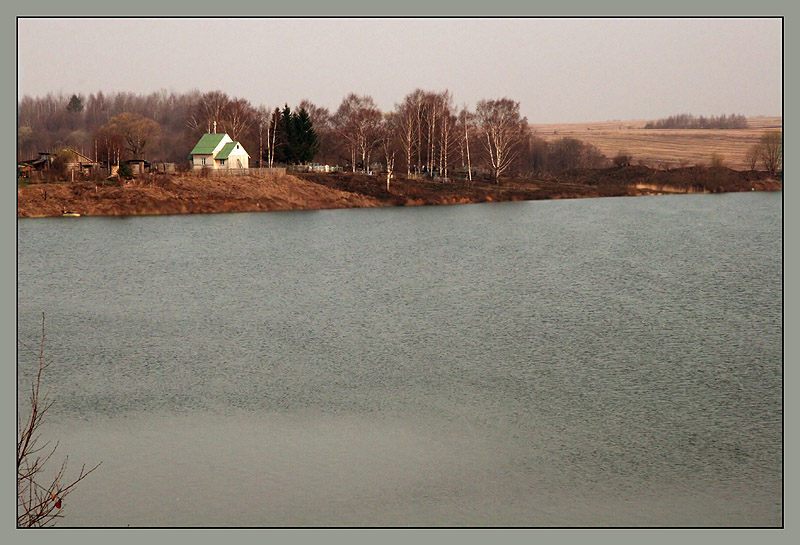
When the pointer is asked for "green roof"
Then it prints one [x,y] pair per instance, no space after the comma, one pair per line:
[226,150]
[206,144]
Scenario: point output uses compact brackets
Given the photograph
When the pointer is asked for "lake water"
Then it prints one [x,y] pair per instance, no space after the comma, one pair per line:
[598,362]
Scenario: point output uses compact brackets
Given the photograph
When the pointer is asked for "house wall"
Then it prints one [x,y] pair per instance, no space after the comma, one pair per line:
[236,158]
[197,161]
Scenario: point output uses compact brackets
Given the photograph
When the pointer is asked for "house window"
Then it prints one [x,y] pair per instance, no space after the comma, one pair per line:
[222,162]
[202,160]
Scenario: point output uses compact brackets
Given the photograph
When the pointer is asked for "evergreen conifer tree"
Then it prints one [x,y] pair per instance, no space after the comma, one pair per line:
[296,140]
[306,140]
[75,104]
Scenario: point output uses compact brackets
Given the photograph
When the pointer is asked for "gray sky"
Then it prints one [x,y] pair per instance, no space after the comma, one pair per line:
[560,70]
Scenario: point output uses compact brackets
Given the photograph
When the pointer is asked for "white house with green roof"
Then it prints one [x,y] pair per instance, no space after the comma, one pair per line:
[218,151]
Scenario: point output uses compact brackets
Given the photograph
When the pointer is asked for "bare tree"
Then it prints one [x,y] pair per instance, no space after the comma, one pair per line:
[502,130]
[266,122]
[25,142]
[447,133]
[136,131]
[405,132]
[409,126]
[432,105]
[569,153]
[753,156]
[40,504]
[319,115]
[466,120]
[427,130]
[622,159]
[261,122]
[357,122]
[772,151]
[566,153]
[345,126]
[237,119]
[272,138]
[211,107]
[412,113]
[537,154]
[321,120]
[110,144]
[388,144]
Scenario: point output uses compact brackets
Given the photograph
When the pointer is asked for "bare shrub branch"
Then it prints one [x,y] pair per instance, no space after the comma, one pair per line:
[39,505]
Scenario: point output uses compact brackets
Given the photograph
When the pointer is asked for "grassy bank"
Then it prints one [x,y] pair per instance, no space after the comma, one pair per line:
[192,194]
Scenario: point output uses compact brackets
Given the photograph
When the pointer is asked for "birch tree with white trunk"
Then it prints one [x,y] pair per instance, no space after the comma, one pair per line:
[502,131]
[261,121]
[465,119]
[388,143]
[239,116]
[446,134]
[407,117]
[211,107]
[357,121]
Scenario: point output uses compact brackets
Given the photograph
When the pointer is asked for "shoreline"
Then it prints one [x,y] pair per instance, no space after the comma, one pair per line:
[161,194]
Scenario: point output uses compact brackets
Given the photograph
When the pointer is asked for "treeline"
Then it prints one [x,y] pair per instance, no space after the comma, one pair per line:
[168,124]
[563,154]
[425,133]
[689,121]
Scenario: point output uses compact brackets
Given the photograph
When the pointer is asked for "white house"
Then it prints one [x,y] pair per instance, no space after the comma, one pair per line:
[218,151]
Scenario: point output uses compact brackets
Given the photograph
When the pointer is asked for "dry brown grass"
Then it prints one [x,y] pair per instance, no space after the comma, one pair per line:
[184,194]
[666,148]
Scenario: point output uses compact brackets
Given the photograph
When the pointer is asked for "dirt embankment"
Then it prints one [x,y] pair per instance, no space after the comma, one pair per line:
[191,194]
[579,183]
[183,194]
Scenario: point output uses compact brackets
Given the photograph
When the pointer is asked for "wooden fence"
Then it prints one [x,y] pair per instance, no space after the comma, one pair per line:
[242,171]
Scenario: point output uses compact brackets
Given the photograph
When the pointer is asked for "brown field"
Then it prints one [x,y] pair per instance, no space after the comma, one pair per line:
[666,148]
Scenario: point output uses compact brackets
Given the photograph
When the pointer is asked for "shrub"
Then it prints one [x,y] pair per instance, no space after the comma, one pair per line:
[622,159]
[717,161]
[771,147]
[753,155]
[59,164]
[124,171]
[37,504]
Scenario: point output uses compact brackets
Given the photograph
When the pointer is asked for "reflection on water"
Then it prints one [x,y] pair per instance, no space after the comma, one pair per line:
[614,362]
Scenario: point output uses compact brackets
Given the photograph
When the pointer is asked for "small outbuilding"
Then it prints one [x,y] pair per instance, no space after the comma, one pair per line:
[138,166]
[71,161]
[218,152]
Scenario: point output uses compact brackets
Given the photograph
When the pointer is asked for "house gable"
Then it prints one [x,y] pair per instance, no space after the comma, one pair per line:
[234,148]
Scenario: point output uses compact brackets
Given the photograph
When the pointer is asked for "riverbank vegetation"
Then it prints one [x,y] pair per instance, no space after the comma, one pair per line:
[189,193]
[425,135]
